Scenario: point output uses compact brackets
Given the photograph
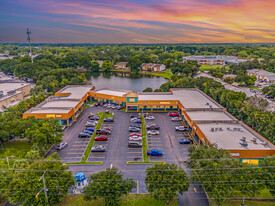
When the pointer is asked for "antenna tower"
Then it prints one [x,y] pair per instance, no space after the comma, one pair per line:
[29,40]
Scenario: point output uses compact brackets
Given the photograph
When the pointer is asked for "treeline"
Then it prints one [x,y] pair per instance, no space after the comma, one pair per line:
[222,176]
[250,110]
[40,133]
[47,74]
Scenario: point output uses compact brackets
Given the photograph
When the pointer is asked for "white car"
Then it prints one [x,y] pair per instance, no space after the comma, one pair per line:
[153,132]
[176,119]
[135,138]
[181,129]
[61,146]
[150,117]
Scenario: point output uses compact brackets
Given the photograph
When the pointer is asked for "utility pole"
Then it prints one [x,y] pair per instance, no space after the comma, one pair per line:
[44,188]
[29,40]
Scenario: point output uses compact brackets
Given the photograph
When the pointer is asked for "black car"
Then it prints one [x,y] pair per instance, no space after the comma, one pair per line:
[134,129]
[135,125]
[84,135]
[109,119]
[87,131]
[103,131]
[153,127]
[97,104]
[135,116]
[136,121]
[94,117]
[135,144]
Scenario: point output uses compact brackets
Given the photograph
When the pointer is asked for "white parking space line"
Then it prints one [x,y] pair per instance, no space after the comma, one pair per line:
[72,158]
[153,141]
[96,157]
[78,149]
[134,152]
[76,145]
[76,153]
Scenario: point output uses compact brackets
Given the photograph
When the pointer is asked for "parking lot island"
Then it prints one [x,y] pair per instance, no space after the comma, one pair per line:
[207,122]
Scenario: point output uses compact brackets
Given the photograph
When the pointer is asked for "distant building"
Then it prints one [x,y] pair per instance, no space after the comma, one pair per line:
[11,93]
[262,75]
[214,60]
[122,65]
[153,67]
[100,63]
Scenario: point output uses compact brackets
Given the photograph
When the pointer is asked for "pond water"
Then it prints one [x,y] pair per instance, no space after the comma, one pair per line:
[128,81]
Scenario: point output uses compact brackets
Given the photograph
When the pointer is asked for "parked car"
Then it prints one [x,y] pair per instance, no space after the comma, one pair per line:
[134,129]
[181,128]
[109,119]
[61,146]
[120,107]
[87,131]
[135,134]
[150,118]
[136,121]
[153,132]
[90,124]
[134,115]
[135,125]
[90,129]
[186,141]
[94,117]
[98,148]
[134,144]
[174,119]
[97,104]
[107,128]
[135,138]
[103,131]
[101,138]
[154,152]
[84,135]
[173,114]
[153,127]
[63,128]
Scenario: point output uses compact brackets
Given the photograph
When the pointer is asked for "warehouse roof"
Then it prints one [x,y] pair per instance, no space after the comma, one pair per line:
[6,87]
[209,115]
[113,92]
[229,136]
[49,110]
[76,92]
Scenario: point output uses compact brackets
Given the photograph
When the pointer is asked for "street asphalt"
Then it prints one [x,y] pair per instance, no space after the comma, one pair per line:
[118,153]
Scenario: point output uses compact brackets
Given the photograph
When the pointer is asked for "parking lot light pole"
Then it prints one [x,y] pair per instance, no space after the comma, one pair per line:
[9,161]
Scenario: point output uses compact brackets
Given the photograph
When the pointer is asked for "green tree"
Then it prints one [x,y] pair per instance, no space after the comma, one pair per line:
[165,181]
[268,170]
[95,66]
[108,184]
[107,66]
[43,133]
[148,89]
[23,185]
[168,62]
[84,61]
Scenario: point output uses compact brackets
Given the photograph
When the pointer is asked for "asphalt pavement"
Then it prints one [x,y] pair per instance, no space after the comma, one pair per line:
[118,153]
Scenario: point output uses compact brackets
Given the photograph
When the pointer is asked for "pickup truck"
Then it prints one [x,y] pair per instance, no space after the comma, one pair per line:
[181,128]
[154,152]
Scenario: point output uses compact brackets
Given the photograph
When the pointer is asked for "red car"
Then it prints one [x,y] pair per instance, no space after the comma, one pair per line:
[174,114]
[101,138]
[135,134]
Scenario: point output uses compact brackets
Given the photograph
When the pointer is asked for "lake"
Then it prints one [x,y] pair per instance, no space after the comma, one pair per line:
[128,81]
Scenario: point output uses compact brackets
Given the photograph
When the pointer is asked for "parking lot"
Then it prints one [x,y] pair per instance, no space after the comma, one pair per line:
[167,140]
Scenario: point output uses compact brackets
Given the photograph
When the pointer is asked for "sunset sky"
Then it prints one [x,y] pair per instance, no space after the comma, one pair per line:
[138,21]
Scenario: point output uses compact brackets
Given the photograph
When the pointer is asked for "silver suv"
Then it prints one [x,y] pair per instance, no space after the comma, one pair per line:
[61,146]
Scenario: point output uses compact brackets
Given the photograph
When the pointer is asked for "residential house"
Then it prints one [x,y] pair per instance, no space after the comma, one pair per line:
[262,75]
[100,63]
[153,67]
[122,65]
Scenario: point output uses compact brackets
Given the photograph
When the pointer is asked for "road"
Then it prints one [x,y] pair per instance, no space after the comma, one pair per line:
[118,152]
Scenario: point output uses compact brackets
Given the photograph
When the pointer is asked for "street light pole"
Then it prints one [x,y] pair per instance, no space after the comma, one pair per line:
[9,161]
[45,189]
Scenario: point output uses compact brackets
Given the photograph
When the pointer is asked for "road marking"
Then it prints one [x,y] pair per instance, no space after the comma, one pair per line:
[136,148]
[157,157]
[75,153]
[96,157]
[98,153]
[133,156]
[153,141]
[75,145]
[72,157]
[78,149]
[156,145]
[134,152]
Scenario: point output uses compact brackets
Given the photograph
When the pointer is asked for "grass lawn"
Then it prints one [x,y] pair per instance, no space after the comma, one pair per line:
[207,67]
[246,202]
[130,200]
[144,139]
[166,74]
[19,149]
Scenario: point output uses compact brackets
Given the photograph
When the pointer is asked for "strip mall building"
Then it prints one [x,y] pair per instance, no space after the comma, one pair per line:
[209,123]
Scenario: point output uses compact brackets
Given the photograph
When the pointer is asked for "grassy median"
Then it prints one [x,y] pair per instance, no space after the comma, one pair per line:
[144,139]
